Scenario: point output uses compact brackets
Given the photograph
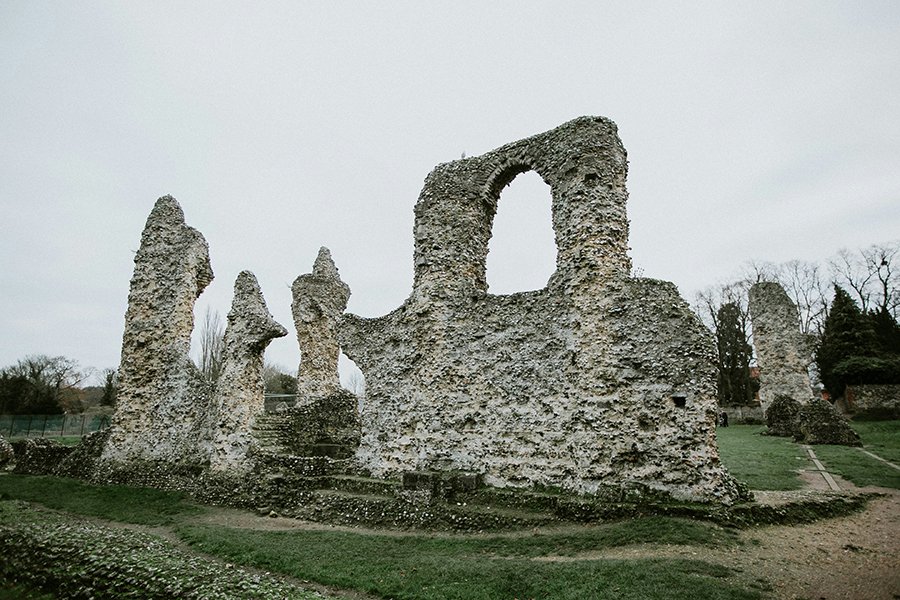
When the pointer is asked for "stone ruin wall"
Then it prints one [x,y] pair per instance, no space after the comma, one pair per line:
[165,411]
[597,380]
[780,347]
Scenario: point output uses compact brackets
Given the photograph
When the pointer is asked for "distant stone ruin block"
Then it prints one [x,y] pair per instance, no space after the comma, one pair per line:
[780,347]
[874,401]
[819,423]
[598,379]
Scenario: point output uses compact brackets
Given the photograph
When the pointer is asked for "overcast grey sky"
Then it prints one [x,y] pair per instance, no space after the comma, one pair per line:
[754,130]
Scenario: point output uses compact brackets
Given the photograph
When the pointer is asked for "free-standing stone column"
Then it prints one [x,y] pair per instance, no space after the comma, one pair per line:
[239,396]
[162,401]
[779,345]
[320,298]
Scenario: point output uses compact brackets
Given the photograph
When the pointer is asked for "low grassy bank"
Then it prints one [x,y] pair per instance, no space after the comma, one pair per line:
[143,506]
[46,550]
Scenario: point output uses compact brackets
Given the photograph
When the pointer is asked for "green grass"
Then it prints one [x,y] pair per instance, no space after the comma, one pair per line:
[771,463]
[427,567]
[852,464]
[143,506]
[763,462]
[422,566]
[880,437]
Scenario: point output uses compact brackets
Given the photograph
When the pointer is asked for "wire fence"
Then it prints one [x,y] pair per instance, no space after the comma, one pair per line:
[68,425]
[51,425]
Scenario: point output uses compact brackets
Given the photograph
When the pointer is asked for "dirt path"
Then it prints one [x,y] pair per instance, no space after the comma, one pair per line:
[848,558]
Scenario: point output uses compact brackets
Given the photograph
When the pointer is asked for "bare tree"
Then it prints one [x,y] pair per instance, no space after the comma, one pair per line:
[43,384]
[709,302]
[212,345]
[870,274]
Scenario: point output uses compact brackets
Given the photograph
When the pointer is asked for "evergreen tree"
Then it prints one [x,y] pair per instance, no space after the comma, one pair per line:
[736,388]
[887,332]
[847,333]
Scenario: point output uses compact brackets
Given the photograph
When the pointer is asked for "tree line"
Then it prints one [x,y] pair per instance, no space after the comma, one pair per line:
[41,384]
[847,312]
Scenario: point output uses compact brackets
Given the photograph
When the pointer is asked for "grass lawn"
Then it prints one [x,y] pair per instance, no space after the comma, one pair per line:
[474,567]
[763,462]
[879,437]
[564,565]
[771,463]
[143,506]
[424,566]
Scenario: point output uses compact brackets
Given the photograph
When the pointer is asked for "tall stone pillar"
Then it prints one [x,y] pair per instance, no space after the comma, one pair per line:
[162,402]
[320,299]
[239,396]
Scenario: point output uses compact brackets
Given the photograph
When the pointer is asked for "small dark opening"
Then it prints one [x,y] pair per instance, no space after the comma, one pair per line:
[679,400]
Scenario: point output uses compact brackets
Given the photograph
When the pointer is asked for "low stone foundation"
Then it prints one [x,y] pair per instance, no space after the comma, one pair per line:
[870,402]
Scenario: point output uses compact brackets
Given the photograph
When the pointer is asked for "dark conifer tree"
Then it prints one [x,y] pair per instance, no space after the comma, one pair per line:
[735,386]
[887,332]
[847,333]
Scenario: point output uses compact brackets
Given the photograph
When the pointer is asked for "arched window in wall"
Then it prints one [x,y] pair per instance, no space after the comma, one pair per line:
[522,249]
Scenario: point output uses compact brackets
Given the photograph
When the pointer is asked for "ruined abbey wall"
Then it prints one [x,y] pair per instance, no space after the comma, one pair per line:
[600,379]
[165,411]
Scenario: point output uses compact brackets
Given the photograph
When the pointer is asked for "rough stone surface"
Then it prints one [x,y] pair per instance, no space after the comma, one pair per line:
[6,452]
[783,376]
[781,417]
[239,396]
[871,401]
[598,379]
[39,456]
[162,402]
[82,461]
[320,298]
[819,423]
[780,346]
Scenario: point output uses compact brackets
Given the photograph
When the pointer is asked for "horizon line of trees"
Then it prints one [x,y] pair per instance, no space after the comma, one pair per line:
[847,313]
[40,384]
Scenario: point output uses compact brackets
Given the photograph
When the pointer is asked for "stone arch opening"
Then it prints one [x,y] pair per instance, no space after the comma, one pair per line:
[522,246]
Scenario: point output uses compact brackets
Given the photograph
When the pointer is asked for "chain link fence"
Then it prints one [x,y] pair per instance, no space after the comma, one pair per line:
[51,425]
